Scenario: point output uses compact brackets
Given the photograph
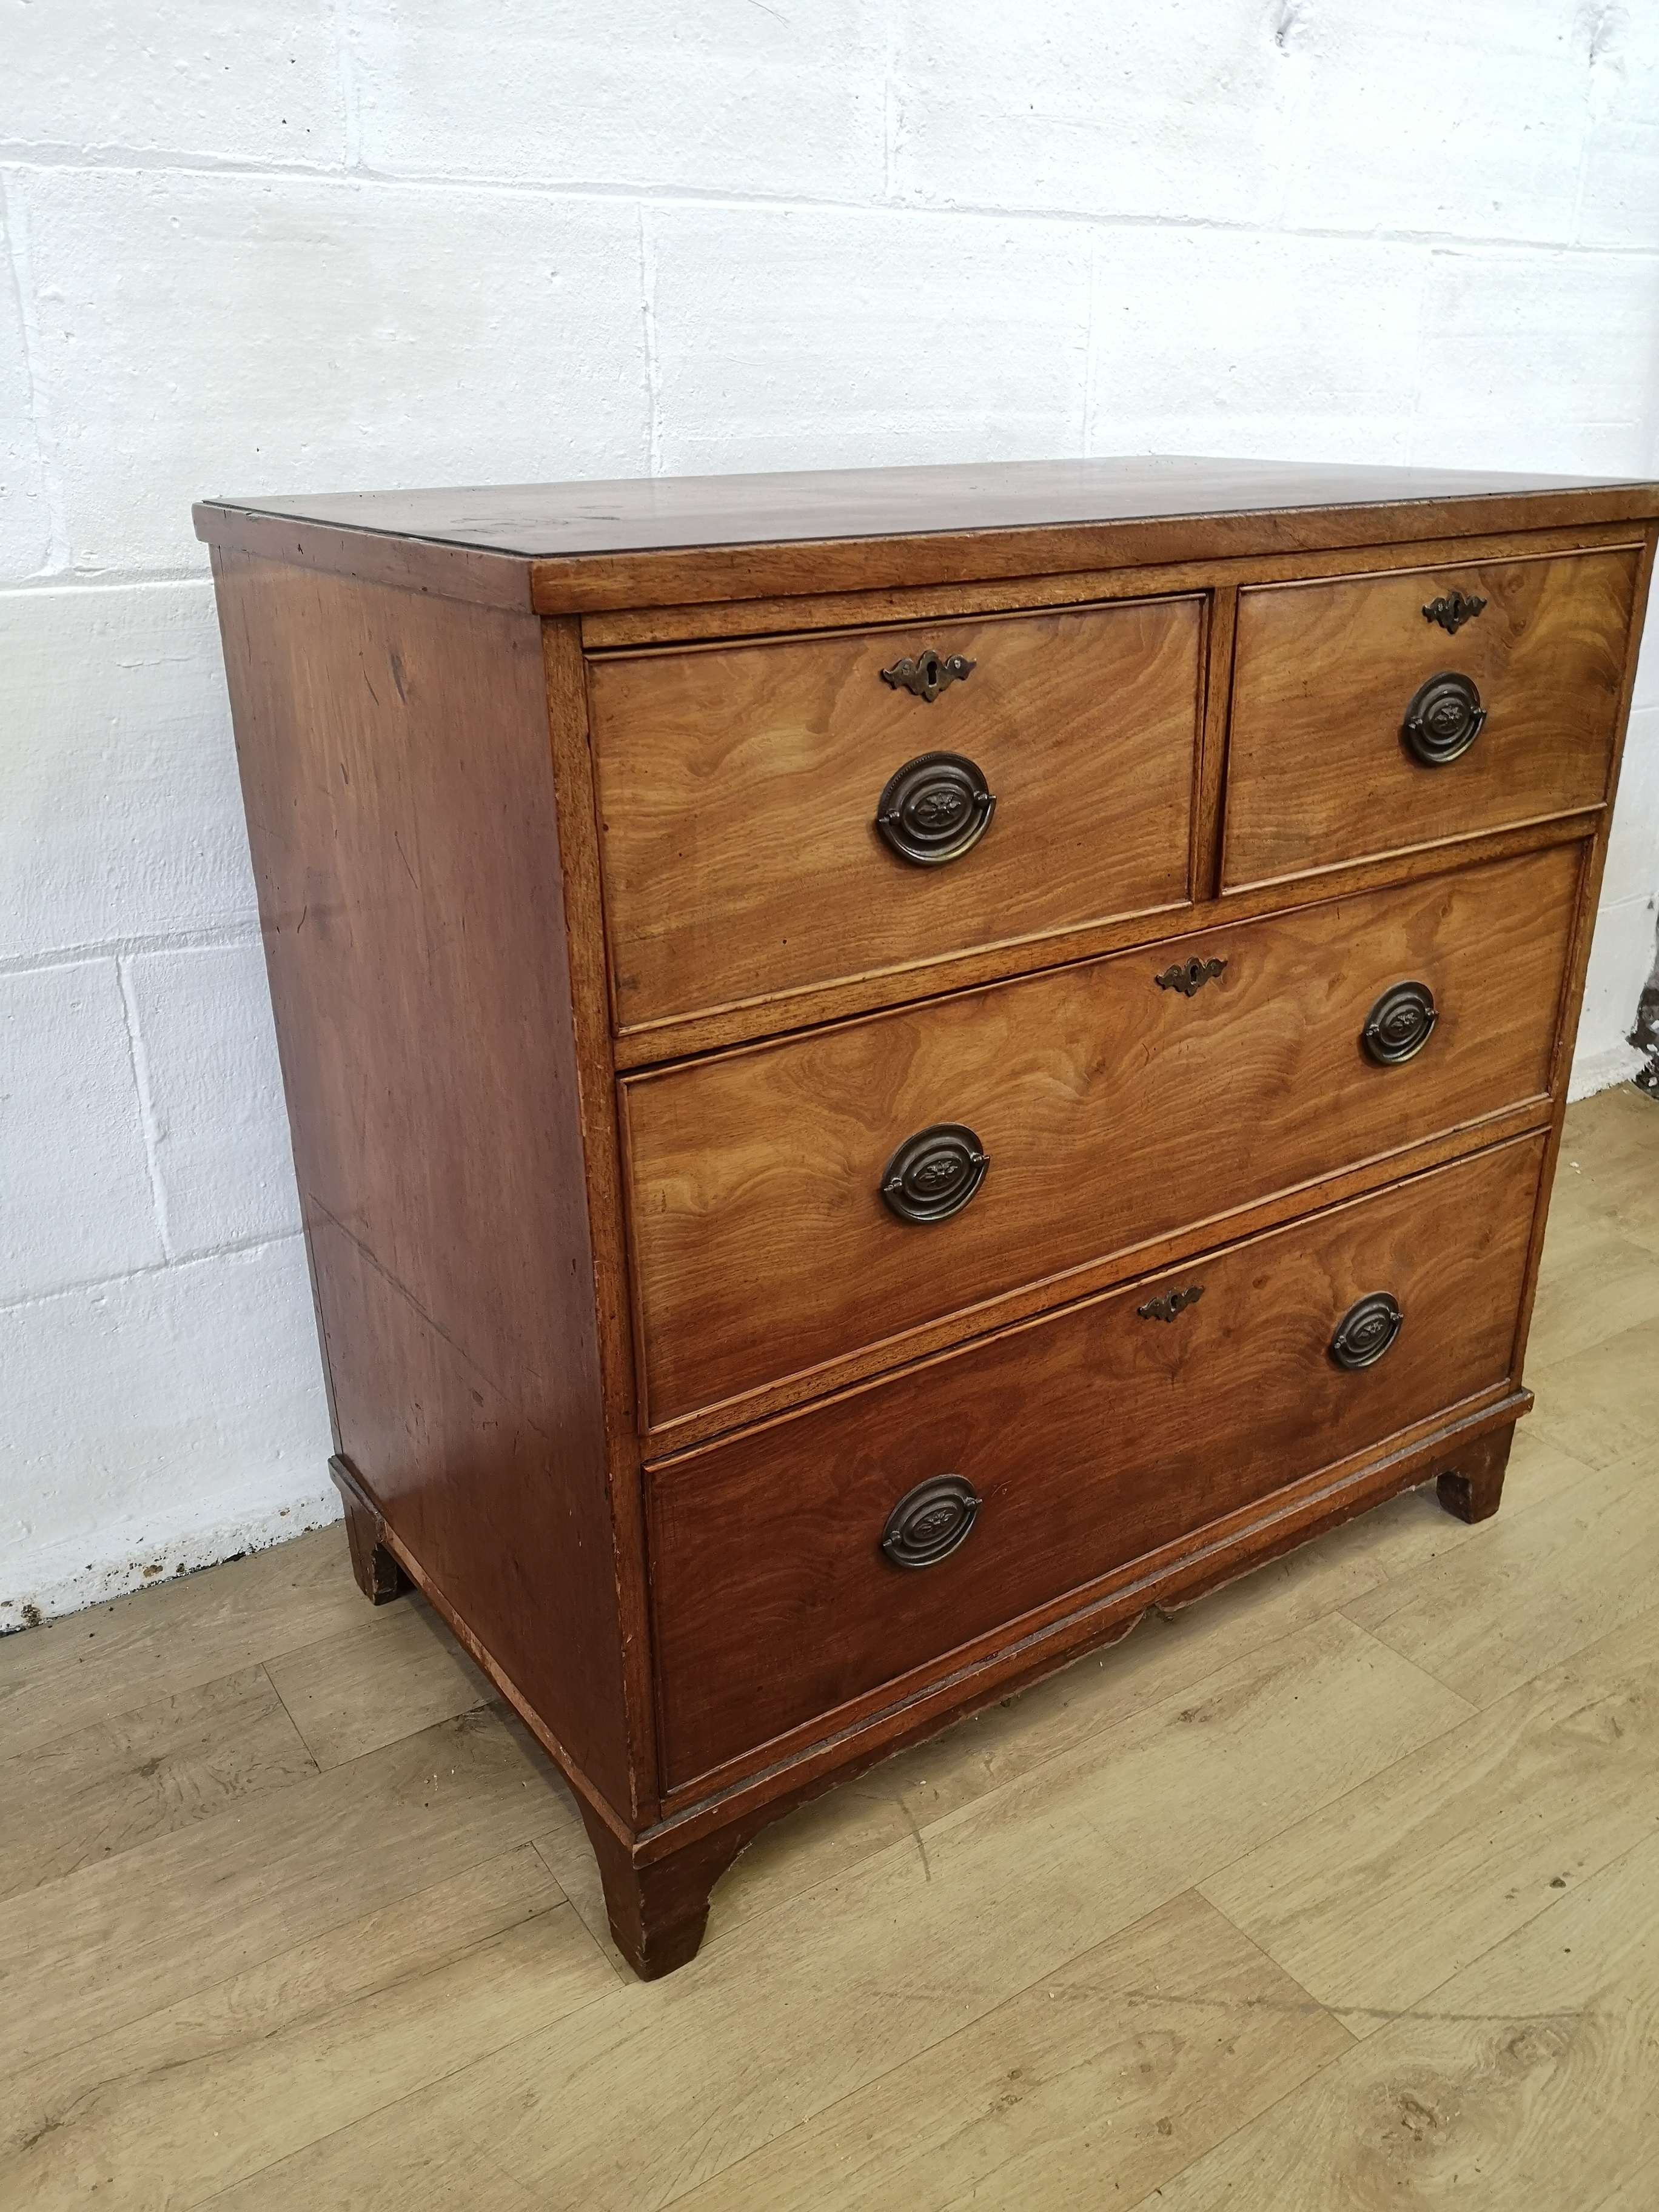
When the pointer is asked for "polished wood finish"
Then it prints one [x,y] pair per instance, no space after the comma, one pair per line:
[738,787]
[762,1250]
[657,1909]
[623,515]
[699,1034]
[1324,676]
[665,540]
[1205,867]
[929,602]
[480,770]
[1473,1490]
[373,1563]
[1093,1438]
[1578,966]
[572,778]
[393,753]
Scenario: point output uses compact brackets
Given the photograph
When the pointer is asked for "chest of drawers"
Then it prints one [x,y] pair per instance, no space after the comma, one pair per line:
[888,1069]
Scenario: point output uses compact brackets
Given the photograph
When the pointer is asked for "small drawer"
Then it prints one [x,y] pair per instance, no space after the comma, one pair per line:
[1374,714]
[794,1204]
[1008,1475]
[1031,774]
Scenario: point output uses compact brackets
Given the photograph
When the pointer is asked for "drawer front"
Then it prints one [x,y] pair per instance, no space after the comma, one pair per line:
[1092,1438]
[739,790]
[1113,1107]
[1321,769]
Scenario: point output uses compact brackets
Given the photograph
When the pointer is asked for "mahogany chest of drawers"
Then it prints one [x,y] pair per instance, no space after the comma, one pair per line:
[887,1069]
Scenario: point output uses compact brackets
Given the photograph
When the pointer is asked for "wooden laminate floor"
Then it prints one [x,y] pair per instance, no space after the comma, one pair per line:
[1341,1889]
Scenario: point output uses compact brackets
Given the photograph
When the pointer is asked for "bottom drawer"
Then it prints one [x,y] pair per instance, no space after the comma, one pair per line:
[1090,1438]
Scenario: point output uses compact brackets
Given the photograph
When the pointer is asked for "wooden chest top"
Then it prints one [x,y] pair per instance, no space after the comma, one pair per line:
[660,541]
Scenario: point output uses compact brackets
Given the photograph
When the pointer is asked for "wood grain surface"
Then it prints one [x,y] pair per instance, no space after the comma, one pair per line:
[1173,2029]
[1112,1111]
[698,1035]
[395,768]
[1092,1438]
[174,2110]
[1497,1816]
[1525,2077]
[1317,771]
[737,789]
[657,541]
[630,514]
[926,603]
[162,1765]
[595,1072]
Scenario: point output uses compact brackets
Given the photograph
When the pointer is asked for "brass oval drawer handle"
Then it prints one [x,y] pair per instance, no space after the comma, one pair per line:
[1189,975]
[1175,1302]
[935,808]
[930,1522]
[1444,719]
[934,1174]
[1400,1024]
[928,674]
[1366,1331]
[1452,610]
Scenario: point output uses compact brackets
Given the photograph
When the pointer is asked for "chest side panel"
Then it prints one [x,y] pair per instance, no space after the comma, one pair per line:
[395,765]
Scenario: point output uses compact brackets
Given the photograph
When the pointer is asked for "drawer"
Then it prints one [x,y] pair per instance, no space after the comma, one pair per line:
[1113,1108]
[1092,1438]
[738,787]
[1320,768]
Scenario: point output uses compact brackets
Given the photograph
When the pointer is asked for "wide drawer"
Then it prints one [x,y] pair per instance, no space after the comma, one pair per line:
[739,786]
[1113,1107]
[1322,766]
[1090,1438]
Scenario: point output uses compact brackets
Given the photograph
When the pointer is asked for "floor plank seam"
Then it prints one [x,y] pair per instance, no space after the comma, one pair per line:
[1252,2119]
[204,1995]
[1470,1708]
[620,1973]
[413,2096]
[1474,1714]
[316,1764]
[474,2057]
[314,1934]
[1006,2001]
[1553,1664]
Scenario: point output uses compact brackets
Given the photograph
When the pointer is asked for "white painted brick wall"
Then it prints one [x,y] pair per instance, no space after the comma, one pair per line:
[259,329]
[119,776]
[789,337]
[356,242]
[79,1203]
[776,102]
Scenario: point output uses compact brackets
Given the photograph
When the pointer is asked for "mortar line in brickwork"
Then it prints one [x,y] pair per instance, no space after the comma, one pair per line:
[653,361]
[210,936]
[17,156]
[149,1121]
[44,439]
[235,1247]
[890,113]
[49,154]
[1092,351]
[346,62]
[1425,275]
[101,579]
